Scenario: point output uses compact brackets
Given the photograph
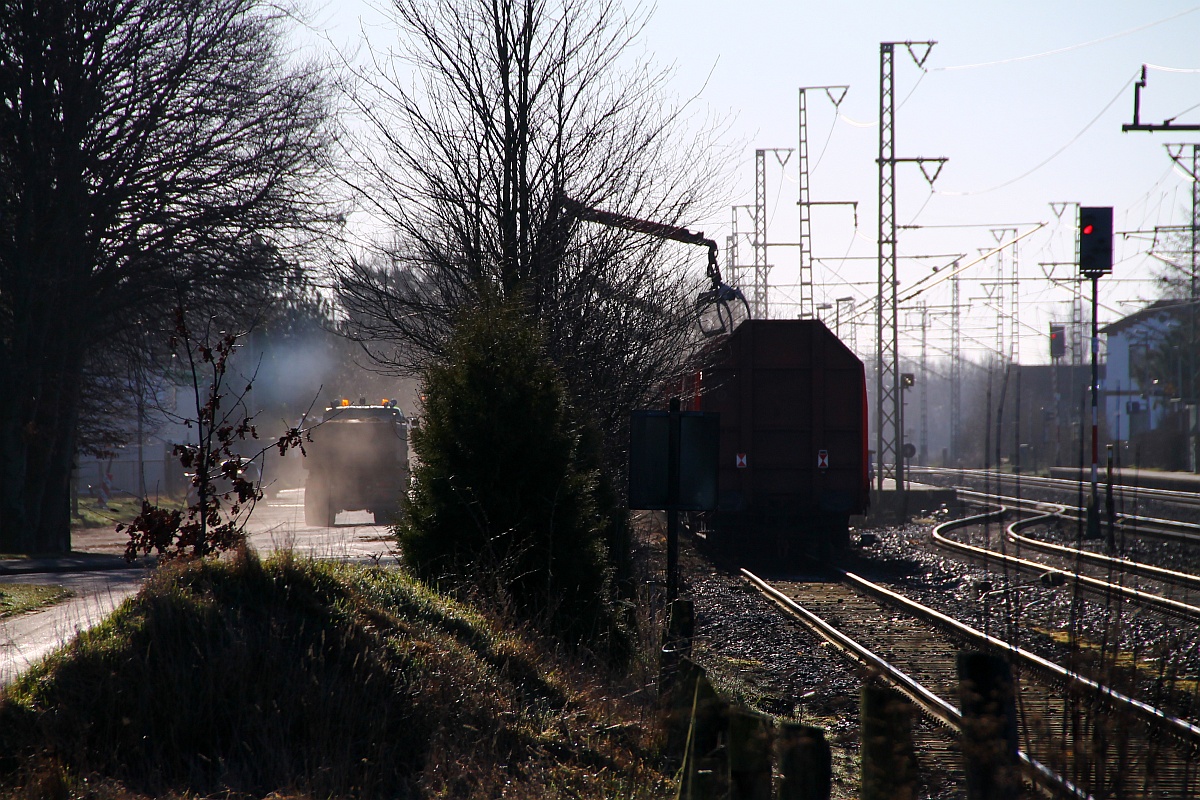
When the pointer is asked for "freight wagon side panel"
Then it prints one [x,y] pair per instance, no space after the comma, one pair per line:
[787,390]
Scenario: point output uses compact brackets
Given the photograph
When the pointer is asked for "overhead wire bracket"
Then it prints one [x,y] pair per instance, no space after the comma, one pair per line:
[1167,125]
[920,62]
[842,96]
[1176,155]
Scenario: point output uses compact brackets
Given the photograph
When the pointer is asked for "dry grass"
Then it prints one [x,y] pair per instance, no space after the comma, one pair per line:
[293,678]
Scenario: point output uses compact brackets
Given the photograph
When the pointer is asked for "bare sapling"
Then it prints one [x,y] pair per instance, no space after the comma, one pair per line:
[222,490]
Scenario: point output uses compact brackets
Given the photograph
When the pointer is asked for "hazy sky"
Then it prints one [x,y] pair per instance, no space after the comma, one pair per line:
[1026,99]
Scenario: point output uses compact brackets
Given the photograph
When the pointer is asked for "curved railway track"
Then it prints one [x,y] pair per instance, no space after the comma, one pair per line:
[1132,528]
[1079,737]
[1182,531]
[1098,587]
[1185,502]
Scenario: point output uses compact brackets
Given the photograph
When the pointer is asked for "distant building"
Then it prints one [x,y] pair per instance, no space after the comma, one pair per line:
[1130,408]
[1051,417]
[1148,416]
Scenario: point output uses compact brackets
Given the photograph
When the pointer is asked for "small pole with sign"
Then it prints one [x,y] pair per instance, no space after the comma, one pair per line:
[1095,260]
[673,505]
[673,468]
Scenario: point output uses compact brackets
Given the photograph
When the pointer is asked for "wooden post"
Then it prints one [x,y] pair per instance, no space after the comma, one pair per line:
[986,692]
[682,619]
[694,715]
[696,719]
[889,761]
[677,642]
[805,763]
[749,755]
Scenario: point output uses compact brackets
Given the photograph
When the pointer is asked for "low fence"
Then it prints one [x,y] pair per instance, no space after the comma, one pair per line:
[160,473]
[723,750]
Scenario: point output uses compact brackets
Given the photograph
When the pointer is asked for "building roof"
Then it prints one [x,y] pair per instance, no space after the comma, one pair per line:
[1159,311]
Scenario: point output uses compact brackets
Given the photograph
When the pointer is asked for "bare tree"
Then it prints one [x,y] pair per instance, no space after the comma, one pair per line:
[148,148]
[487,116]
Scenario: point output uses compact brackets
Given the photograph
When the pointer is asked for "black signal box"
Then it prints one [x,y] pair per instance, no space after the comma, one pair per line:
[1095,240]
[1058,341]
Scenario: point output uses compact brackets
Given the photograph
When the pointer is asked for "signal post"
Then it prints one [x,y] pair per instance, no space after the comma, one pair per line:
[1095,259]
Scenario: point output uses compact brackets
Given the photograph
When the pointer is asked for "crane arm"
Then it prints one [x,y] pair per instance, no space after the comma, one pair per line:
[615,220]
[675,233]
[720,302]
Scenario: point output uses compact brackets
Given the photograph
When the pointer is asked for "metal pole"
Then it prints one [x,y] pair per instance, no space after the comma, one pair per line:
[673,504]
[1093,514]
[887,377]
[923,450]
[1191,385]
[955,370]
[806,270]
[759,295]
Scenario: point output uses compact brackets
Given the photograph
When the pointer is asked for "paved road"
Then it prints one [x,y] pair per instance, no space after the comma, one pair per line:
[100,580]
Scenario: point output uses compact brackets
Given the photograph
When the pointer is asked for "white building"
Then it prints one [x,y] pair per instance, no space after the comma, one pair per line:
[1130,408]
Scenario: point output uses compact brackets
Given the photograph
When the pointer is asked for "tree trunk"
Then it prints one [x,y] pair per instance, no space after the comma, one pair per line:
[15,530]
[37,436]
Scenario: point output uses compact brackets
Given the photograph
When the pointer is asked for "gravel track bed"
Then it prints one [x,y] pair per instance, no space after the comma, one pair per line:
[1031,611]
[756,656]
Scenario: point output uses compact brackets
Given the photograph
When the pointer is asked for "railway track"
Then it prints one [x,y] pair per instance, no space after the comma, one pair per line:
[1187,503]
[1132,530]
[1079,737]
[1124,613]
[1067,569]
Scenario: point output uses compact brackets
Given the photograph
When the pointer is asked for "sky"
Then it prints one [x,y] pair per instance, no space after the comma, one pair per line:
[1025,99]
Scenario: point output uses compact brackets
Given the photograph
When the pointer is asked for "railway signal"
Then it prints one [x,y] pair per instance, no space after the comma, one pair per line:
[1058,341]
[1095,240]
[1095,260]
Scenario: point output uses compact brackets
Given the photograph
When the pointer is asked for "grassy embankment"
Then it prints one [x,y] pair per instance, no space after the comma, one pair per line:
[300,679]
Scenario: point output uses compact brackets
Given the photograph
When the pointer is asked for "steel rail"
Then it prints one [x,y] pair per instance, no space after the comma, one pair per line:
[1170,495]
[1125,565]
[1184,729]
[941,710]
[1103,588]
[1150,526]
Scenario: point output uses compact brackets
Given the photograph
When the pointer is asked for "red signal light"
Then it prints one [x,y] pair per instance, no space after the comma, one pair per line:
[1087,229]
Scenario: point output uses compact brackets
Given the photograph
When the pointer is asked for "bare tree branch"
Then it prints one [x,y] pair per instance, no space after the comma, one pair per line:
[148,147]
[477,125]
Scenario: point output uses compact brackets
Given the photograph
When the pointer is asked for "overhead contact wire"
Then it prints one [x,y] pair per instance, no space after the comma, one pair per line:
[1081,45]
[1056,153]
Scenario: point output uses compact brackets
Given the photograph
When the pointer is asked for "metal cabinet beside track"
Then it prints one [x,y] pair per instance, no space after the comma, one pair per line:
[793,451]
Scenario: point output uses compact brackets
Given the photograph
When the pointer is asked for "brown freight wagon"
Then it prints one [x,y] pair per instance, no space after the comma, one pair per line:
[793,447]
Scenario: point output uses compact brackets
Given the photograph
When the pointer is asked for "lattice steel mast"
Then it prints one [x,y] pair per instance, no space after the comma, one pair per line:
[806,279]
[888,436]
[955,368]
[762,267]
[758,297]
[807,303]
